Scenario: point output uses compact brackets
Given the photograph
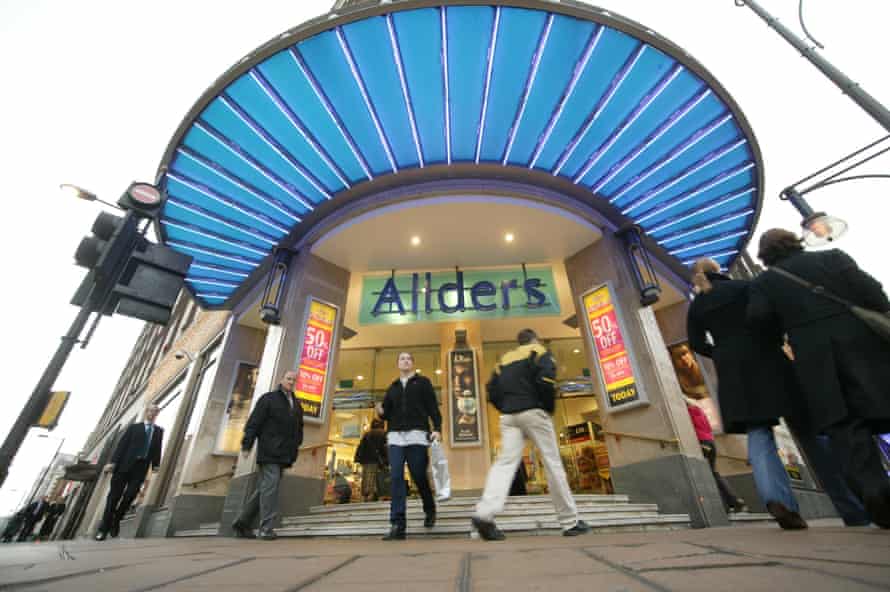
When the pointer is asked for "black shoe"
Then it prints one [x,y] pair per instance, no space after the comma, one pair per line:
[267,534]
[430,520]
[115,529]
[580,527]
[242,531]
[100,536]
[787,519]
[878,507]
[396,533]
[488,530]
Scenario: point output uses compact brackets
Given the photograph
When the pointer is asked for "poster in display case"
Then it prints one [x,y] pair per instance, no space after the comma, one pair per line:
[463,389]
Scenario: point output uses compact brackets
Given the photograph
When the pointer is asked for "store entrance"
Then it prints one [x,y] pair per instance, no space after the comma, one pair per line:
[364,374]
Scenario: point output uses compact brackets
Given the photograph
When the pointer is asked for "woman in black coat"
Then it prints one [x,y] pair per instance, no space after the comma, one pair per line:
[842,366]
[755,380]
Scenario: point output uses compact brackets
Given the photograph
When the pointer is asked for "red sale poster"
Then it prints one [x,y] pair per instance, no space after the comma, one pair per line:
[611,352]
[315,355]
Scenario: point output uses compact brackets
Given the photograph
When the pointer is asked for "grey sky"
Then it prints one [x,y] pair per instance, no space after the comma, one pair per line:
[92,92]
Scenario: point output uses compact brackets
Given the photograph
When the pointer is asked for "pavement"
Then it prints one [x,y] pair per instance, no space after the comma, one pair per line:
[756,557]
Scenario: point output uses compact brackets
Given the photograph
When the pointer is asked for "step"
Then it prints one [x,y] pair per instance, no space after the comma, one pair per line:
[199,532]
[516,526]
[750,517]
[446,513]
[524,500]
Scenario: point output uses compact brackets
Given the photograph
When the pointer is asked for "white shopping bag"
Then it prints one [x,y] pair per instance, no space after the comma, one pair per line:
[441,478]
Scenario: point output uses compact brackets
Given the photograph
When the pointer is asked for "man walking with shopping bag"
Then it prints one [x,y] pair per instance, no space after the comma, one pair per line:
[522,388]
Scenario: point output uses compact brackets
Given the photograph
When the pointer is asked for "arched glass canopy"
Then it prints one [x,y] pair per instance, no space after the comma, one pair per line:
[577,93]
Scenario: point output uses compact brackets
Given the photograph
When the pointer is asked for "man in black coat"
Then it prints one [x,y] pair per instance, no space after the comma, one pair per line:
[31,516]
[843,367]
[277,422]
[139,447]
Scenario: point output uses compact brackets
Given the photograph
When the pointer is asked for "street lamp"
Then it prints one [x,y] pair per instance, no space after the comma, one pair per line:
[818,227]
[81,193]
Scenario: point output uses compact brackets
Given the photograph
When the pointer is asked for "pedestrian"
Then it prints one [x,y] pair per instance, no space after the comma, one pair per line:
[371,455]
[756,383]
[755,380]
[409,407]
[843,366]
[277,422]
[731,502]
[522,388]
[138,448]
[13,526]
[33,513]
[53,513]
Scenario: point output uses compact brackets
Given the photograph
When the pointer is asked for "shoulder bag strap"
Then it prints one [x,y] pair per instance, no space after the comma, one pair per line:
[814,288]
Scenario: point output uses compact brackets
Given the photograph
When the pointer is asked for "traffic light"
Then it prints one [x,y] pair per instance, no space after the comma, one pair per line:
[103,254]
[149,283]
[129,275]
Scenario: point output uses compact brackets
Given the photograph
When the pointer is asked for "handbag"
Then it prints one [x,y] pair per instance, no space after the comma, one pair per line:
[878,322]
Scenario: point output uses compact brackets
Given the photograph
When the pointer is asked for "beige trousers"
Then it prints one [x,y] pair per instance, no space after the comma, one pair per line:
[536,425]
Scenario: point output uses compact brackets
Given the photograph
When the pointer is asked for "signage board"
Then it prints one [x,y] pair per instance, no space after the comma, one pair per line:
[463,398]
[454,295]
[315,358]
[617,368]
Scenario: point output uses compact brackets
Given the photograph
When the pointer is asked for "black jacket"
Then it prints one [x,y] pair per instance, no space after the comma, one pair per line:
[756,382]
[842,366]
[372,448]
[279,427]
[525,379]
[131,445]
[411,407]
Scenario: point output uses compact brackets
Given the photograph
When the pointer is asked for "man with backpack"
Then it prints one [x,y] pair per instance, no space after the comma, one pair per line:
[523,389]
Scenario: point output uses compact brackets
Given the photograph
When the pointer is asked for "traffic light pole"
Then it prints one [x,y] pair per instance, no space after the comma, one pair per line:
[40,397]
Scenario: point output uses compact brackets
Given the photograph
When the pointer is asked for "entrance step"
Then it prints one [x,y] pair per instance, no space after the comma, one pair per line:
[528,515]
[203,530]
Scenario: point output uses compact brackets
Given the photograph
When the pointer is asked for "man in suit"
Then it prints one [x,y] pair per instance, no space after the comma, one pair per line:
[277,421]
[139,447]
[32,515]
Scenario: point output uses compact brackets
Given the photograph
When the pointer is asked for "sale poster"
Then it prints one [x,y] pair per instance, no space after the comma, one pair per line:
[314,359]
[613,355]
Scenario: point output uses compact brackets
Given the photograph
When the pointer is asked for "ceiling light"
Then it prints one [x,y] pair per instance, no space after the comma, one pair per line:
[509,237]
[359,377]
[438,371]
[576,351]
[415,241]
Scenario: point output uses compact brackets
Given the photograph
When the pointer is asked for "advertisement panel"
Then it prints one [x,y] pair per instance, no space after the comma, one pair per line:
[463,398]
[614,357]
[314,358]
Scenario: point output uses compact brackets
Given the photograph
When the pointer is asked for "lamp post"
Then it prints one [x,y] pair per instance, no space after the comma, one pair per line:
[818,227]
[850,88]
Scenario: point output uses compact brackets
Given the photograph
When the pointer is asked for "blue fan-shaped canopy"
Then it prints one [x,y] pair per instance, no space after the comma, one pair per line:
[588,97]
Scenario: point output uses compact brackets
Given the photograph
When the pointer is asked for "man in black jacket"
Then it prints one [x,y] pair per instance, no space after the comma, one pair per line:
[32,515]
[523,389]
[139,447]
[277,421]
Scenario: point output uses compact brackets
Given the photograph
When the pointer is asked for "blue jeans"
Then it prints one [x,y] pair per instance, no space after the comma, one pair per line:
[417,458]
[770,478]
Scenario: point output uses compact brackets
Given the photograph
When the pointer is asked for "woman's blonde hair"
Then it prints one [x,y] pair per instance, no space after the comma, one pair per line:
[699,269]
